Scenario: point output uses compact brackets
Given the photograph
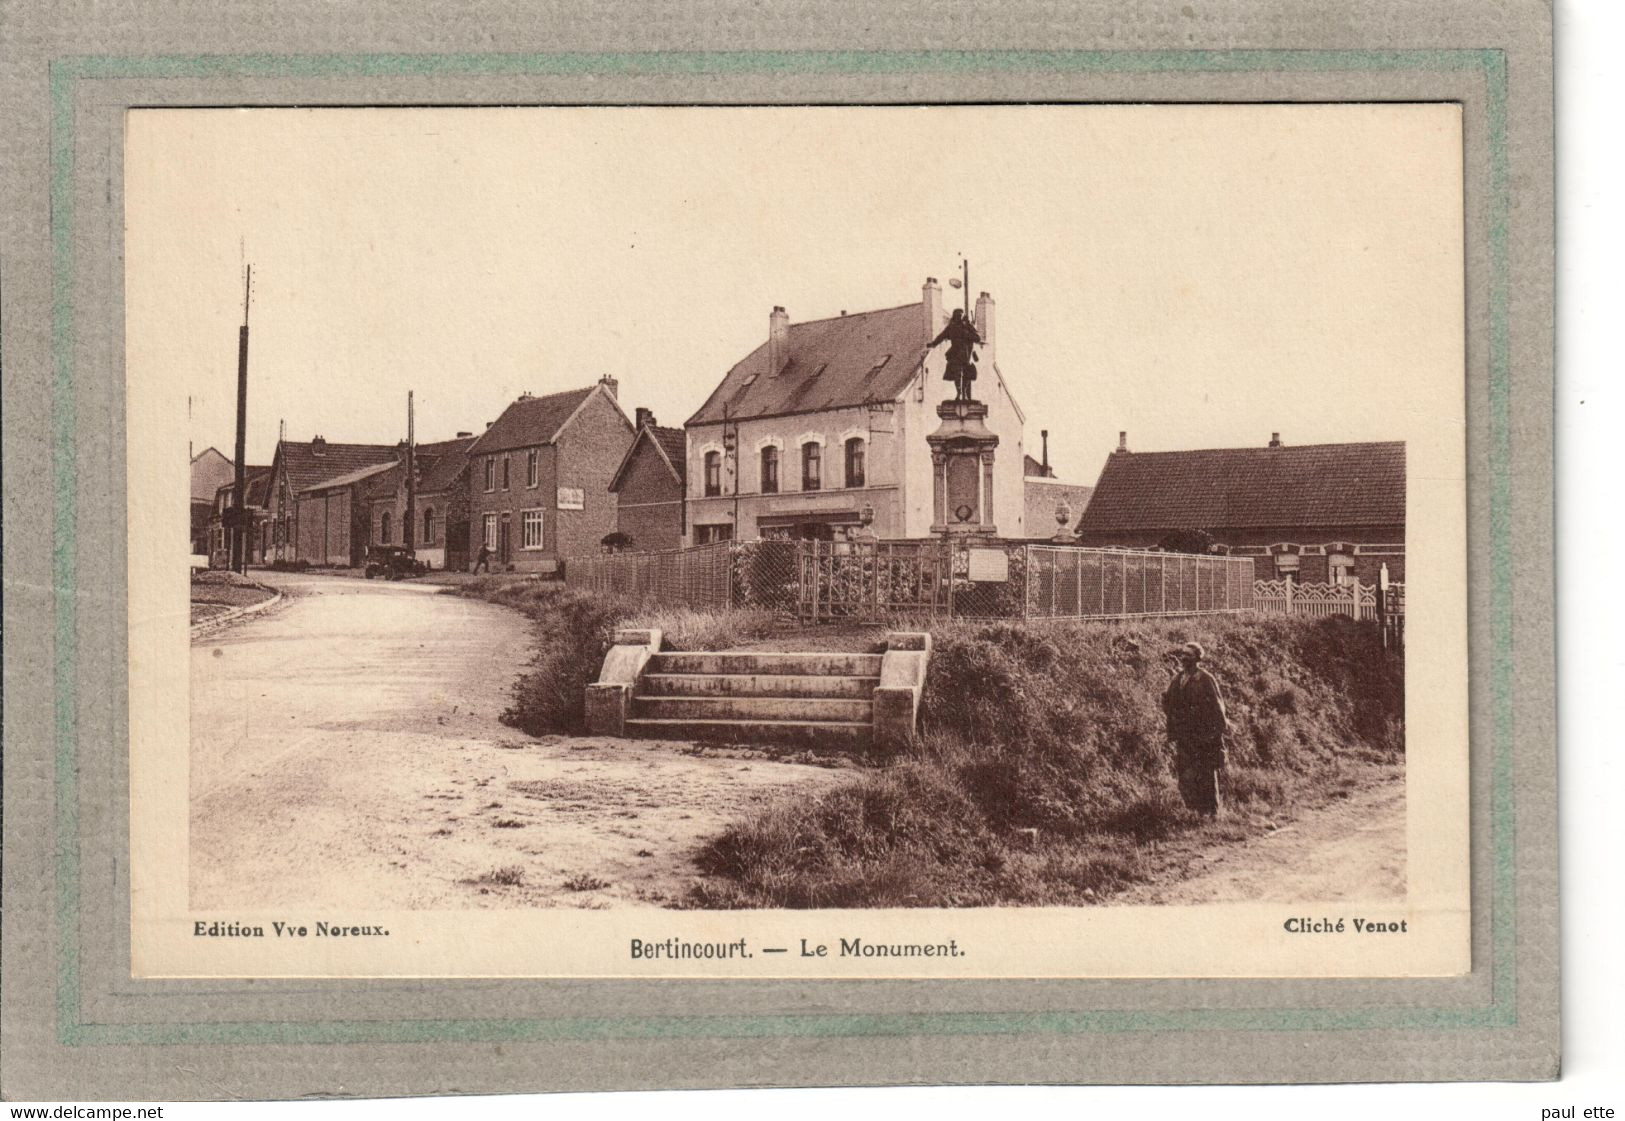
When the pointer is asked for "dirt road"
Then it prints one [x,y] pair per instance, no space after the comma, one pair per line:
[346,749]
[1353,847]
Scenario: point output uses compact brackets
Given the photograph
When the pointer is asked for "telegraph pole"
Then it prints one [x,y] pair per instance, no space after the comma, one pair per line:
[411,476]
[239,520]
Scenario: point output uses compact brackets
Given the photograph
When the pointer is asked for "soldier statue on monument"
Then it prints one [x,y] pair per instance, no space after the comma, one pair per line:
[961,336]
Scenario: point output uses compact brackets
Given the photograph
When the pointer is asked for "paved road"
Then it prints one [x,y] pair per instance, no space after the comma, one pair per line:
[346,748]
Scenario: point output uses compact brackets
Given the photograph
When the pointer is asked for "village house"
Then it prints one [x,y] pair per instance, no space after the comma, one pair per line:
[539,477]
[825,424]
[648,488]
[321,524]
[1317,513]
[256,499]
[1047,495]
[440,504]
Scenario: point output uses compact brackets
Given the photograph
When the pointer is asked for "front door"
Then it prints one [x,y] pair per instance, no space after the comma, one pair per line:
[505,542]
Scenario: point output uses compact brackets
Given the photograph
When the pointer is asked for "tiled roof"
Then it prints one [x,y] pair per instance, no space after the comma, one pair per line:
[530,421]
[1226,488]
[672,441]
[304,468]
[450,457]
[359,475]
[832,363]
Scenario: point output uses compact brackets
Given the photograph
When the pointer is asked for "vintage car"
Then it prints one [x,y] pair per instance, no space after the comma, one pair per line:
[394,562]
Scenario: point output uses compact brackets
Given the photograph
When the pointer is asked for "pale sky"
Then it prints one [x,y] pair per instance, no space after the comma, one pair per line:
[1198,276]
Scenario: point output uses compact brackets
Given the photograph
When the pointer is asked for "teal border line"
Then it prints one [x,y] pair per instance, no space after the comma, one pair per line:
[66,72]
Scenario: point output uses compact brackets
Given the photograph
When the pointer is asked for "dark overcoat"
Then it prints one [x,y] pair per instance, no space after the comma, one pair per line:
[1194,708]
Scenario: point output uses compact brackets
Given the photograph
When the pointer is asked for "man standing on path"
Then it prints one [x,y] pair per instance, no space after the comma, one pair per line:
[484,559]
[1196,723]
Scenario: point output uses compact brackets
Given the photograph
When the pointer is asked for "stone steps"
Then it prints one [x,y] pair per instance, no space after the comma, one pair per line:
[819,699]
[813,697]
[773,709]
[812,733]
[745,662]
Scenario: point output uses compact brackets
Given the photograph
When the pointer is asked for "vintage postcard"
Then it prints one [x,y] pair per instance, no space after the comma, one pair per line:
[907,541]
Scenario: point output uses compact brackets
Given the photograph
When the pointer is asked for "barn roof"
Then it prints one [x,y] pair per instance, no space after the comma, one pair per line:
[1227,488]
[305,467]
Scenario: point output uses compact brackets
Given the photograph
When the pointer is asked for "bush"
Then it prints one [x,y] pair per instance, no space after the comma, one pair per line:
[687,629]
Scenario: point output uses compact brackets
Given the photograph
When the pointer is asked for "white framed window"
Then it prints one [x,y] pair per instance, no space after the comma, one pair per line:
[531,529]
[490,473]
[1341,566]
[491,531]
[532,475]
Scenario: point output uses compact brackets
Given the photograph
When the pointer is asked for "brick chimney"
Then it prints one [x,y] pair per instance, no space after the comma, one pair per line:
[778,341]
[1122,444]
[611,386]
[931,300]
[1275,439]
[1044,463]
[985,321]
[318,446]
[645,417]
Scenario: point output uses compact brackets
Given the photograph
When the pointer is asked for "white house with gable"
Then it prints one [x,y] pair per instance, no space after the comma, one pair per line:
[828,418]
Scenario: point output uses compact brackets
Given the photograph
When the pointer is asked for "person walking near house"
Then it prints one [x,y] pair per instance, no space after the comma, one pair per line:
[1194,708]
[483,560]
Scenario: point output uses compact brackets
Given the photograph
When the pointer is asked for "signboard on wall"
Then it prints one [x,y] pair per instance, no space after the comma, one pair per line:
[990,566]
[572,498]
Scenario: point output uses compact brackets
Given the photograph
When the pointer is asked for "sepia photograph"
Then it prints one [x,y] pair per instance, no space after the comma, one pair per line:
[998,534]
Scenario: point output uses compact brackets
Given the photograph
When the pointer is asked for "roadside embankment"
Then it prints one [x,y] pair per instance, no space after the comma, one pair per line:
[1044,776]
[218,596]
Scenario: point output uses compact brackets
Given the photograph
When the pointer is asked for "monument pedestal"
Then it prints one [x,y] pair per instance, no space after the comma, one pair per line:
[962,471]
